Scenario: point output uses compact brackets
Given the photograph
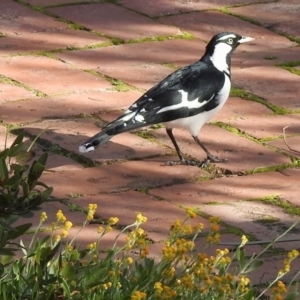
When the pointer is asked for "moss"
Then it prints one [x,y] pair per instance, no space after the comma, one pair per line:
[157,126]
[170,65]
[292,70]
[287,206]
[143,190]
[10,81]
[118,85]
[183,36]
[236,131]
[272,168]
[290,37]
[225,10]
[267,219]
[270,57]
[145,134]
[75,195]
[291,64]
[76,26]
[236,92]
[236,231]
[203,178]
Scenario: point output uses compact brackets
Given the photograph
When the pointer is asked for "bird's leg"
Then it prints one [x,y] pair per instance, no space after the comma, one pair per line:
[182,160]
[210,157]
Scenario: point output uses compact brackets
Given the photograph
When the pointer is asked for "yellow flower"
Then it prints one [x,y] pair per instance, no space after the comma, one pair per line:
[140,218]
[244,241]
[144,252]
[199,227]
[64,233]
[91,211]
[100,229]
[56,238]
[113,221]
[158,288]
[129,260]
[70,248]
[43,217]
[92,206]
[137,295]
[91,246]
[214,220]
[191,212]
[90,216]
[108,229]
[60,216]
[68,225]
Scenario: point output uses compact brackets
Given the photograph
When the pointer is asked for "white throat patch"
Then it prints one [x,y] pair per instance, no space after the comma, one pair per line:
[219,57]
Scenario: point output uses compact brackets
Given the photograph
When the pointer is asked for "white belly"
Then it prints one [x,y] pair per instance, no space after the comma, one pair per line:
[194,123]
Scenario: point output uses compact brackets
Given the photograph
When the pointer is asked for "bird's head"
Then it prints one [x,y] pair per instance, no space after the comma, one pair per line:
[220,48]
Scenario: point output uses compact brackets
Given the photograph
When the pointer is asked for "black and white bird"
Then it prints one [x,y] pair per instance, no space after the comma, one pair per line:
[187,98]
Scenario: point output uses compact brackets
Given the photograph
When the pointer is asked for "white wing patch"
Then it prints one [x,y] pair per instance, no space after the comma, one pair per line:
[139,118]
[128,116]
[184,103]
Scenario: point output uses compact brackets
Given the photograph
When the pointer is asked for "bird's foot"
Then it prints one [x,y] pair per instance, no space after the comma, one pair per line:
[186,162]
[215,159]
[199,164]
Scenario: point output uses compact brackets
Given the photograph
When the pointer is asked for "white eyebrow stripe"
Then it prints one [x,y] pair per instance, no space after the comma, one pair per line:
[225,37]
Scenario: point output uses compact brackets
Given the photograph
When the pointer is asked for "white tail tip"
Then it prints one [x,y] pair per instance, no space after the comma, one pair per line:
[84,149]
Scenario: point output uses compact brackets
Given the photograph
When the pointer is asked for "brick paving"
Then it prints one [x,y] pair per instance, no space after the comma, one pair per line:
[70,66]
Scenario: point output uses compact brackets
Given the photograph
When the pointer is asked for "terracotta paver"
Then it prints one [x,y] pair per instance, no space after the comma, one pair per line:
[164,7]
[34,109]
[10,93]
[272,125]
[241,153]
[281,17]
[101,17]
[176,51]
[51,71]
[203,25]
[69,83]
[280,86]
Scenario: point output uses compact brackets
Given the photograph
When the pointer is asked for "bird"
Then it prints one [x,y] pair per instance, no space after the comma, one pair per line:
[187,98]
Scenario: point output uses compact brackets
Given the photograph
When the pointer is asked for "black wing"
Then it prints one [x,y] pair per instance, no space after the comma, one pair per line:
[200,81]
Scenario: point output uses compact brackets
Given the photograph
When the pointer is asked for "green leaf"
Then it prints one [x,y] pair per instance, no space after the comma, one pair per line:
[15,150]
[3,169]
[240,254]
[18,139]
[68,271]
[43,159]
[36,170]
[24,157]
[8,251]
[4,153]
[292,296]
[19,230]
[254,265]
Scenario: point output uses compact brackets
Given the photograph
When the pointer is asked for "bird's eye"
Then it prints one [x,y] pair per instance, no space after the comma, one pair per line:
[230,41]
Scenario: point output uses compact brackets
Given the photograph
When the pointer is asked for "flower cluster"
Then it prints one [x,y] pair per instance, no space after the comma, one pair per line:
[137,295]
[67,225]
[91,212]
[279,291]
[214,234]
[136,239]
[178,250]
